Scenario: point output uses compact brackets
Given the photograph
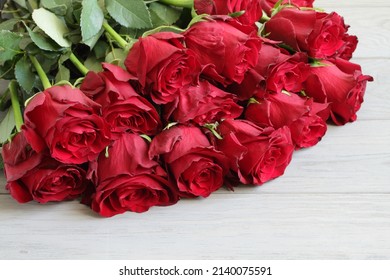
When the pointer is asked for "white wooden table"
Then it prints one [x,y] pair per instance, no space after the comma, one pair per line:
[332,203]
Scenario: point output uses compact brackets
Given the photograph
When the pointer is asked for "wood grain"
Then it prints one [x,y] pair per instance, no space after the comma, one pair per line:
[336,4]
[220,227]
[332,203]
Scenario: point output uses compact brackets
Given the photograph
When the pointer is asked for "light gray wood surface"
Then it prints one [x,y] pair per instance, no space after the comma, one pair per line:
[332,203]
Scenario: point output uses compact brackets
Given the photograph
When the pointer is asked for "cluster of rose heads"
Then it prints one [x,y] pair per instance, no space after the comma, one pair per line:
[215,105]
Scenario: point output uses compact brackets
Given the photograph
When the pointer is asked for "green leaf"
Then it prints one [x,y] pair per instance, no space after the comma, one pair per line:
[132,13]
[32,4]
[100,49]
[44,43]
[7,125]
[21,3]
[93,40]
[9,24]
[23,74]
[91,19]
[93,64]
[63,74]
[52,25]
[9,45]
[4,99]
[117,57]
[163,14]
[6,72]
[59,7]
[1,161]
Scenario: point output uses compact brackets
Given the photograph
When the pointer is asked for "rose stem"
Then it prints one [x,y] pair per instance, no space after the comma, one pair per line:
[264,18]
[121,42]
[211,127]
[41,73]
[16,105]
[76,62]
[179,3]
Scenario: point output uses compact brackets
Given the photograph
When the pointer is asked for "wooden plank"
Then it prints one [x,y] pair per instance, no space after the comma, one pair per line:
[376,105]
[221,227]
[371,25]
[335,4]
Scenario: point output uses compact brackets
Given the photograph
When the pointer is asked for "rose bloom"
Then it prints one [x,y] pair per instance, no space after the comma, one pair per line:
[127,180]
[289,74]
[67,122]
[305,119]
[203,104]
[252,8]
[276,70]
[225,48]
[35,176]
[268,5]
[256,155]
[122,107]
[196,166]
[162,65]
[319,34]
[341,84]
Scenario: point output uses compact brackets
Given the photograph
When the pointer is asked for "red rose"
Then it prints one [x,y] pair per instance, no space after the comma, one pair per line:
[252,8]
[288,74]
[110,84]
[195,165]
[276,70]
[305,118]
[319,34]
[123,108]
[204,104]
[19,158]
[225,49]
[268,5]
[162,65]
[256,155]
[127,180]
[32,176]
[340,83]
[68,123]
[254,82]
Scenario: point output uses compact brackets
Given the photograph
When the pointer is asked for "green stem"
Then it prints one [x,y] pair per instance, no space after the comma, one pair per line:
[212,127]
[122,42]
[264,18]
[41,73]
[80,66]
[16,105]
[179,3]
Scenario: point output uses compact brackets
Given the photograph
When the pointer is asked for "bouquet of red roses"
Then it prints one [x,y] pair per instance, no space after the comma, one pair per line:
[175,99]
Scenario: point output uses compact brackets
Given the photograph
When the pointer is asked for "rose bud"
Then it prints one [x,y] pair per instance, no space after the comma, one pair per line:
[225,49]
[204,103]
[256,155]
[33,176]
[127,180]
[196,166]
[305,119]
[341,84]
[162,65]
[268,5]
[123,108]
[252,9]
[319,34]
[67,122]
